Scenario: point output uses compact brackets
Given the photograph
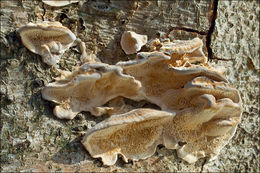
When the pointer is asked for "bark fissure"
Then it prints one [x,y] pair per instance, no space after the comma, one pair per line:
[207,34]
[202,165]
[44,12]
[188,30]
[211,29]
[220,59]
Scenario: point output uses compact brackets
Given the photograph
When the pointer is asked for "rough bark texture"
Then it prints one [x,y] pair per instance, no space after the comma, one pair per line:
[32,139]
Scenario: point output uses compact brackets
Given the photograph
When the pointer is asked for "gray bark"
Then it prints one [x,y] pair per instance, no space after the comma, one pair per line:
[32,139]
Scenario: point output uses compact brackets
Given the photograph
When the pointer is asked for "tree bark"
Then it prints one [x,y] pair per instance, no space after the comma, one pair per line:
[32,139]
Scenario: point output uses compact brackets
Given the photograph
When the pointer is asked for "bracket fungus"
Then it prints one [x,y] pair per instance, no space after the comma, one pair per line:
[59,3]
[204,131]
[180,50]
[88,88]
[159,77]
[132,42]
[48,39]
[134,135]
[199,113]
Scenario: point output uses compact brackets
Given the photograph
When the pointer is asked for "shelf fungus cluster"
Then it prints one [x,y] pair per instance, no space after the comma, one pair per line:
[199,113]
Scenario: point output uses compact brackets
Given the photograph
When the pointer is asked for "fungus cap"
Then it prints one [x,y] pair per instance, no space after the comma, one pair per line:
[135,135]
[132,42]
[88,88]
[48,39]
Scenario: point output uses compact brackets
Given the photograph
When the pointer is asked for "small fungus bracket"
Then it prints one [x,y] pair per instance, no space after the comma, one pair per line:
[48,39]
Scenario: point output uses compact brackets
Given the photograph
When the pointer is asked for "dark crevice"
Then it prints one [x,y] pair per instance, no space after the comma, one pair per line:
[62,16]
[188,30]
[211,29]
[202,166]
[44,12]
[220,59]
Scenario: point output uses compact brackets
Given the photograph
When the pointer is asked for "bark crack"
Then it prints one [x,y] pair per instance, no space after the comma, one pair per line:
[44,11]
[211,29]
[208,33]
[220,59]
[202,165]
[188,30]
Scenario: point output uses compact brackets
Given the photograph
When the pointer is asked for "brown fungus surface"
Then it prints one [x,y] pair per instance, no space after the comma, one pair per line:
[204,131]
[132,42]
[163,78]
[135,135]
[48,39]
[199,112]
[88,88]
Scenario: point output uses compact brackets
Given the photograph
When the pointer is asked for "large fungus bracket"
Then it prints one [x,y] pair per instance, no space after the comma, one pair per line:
[199,108]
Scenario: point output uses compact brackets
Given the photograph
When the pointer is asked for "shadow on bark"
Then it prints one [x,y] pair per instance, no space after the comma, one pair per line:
[71,153]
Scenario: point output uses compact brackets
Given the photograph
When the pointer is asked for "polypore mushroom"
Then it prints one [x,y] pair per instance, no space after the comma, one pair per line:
[195,132]
[202,131]
[132,42]
[180,98]
[180,50]
[48,39]
[134,135]
[200,109]
[88,88]
[182,46]
[59,3]
[158,76]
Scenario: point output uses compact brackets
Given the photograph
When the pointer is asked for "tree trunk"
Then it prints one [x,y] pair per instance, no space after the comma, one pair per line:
[32,139]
